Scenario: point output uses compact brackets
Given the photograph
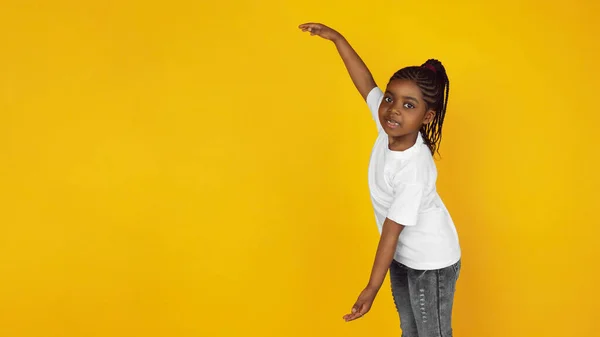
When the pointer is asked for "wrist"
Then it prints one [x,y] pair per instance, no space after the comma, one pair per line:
[337,38]
[373,287]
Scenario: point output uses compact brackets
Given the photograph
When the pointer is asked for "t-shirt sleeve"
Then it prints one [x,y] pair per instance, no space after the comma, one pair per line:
[374,98]
[406,205]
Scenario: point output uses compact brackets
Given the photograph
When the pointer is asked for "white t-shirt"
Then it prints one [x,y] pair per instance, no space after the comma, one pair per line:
[403,189]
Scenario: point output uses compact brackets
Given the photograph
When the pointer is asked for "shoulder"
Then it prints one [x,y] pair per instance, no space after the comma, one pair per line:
[374,98]
[375,93]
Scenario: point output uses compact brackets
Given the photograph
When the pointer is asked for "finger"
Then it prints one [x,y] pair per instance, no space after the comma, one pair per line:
[351,317]
[310,26]
[366,307]
[362,310]
[361,313]
[311,30]
[354,314]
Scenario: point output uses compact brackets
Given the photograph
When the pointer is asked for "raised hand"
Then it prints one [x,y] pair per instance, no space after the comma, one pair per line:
[320,30]
[359,73]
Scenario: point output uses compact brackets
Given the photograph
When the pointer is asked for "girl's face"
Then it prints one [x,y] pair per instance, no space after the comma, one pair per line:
[403,110]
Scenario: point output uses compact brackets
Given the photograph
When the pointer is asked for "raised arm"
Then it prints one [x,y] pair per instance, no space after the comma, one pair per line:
[359,73]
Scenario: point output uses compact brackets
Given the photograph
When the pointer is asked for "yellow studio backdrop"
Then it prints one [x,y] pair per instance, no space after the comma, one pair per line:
[199,168]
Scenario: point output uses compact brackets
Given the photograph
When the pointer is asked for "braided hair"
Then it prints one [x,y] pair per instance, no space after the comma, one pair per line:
[433,81]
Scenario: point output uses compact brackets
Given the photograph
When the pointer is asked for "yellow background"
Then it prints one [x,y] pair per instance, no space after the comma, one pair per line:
[192,168]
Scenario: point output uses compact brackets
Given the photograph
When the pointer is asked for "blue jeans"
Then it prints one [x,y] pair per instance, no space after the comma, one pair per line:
[424,299]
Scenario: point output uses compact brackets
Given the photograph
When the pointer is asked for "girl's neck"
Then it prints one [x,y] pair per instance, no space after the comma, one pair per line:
[402,143]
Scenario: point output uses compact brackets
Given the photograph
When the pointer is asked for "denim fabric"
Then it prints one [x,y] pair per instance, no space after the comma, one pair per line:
[424,299]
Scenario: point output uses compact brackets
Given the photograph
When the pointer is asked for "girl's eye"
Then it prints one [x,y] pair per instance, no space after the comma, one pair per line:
[408,106]
[388,99]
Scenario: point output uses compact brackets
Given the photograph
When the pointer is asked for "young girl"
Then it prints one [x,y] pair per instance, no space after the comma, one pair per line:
[419,244]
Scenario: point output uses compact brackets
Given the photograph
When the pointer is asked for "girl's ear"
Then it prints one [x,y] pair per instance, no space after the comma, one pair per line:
[429,116]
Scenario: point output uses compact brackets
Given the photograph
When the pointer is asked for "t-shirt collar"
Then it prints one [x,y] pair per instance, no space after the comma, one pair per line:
[408,152]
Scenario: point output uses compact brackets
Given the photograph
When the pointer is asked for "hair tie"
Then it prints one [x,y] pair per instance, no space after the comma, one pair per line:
[430,67]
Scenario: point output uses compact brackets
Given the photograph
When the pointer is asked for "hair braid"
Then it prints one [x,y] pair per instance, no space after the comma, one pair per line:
[433,81]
